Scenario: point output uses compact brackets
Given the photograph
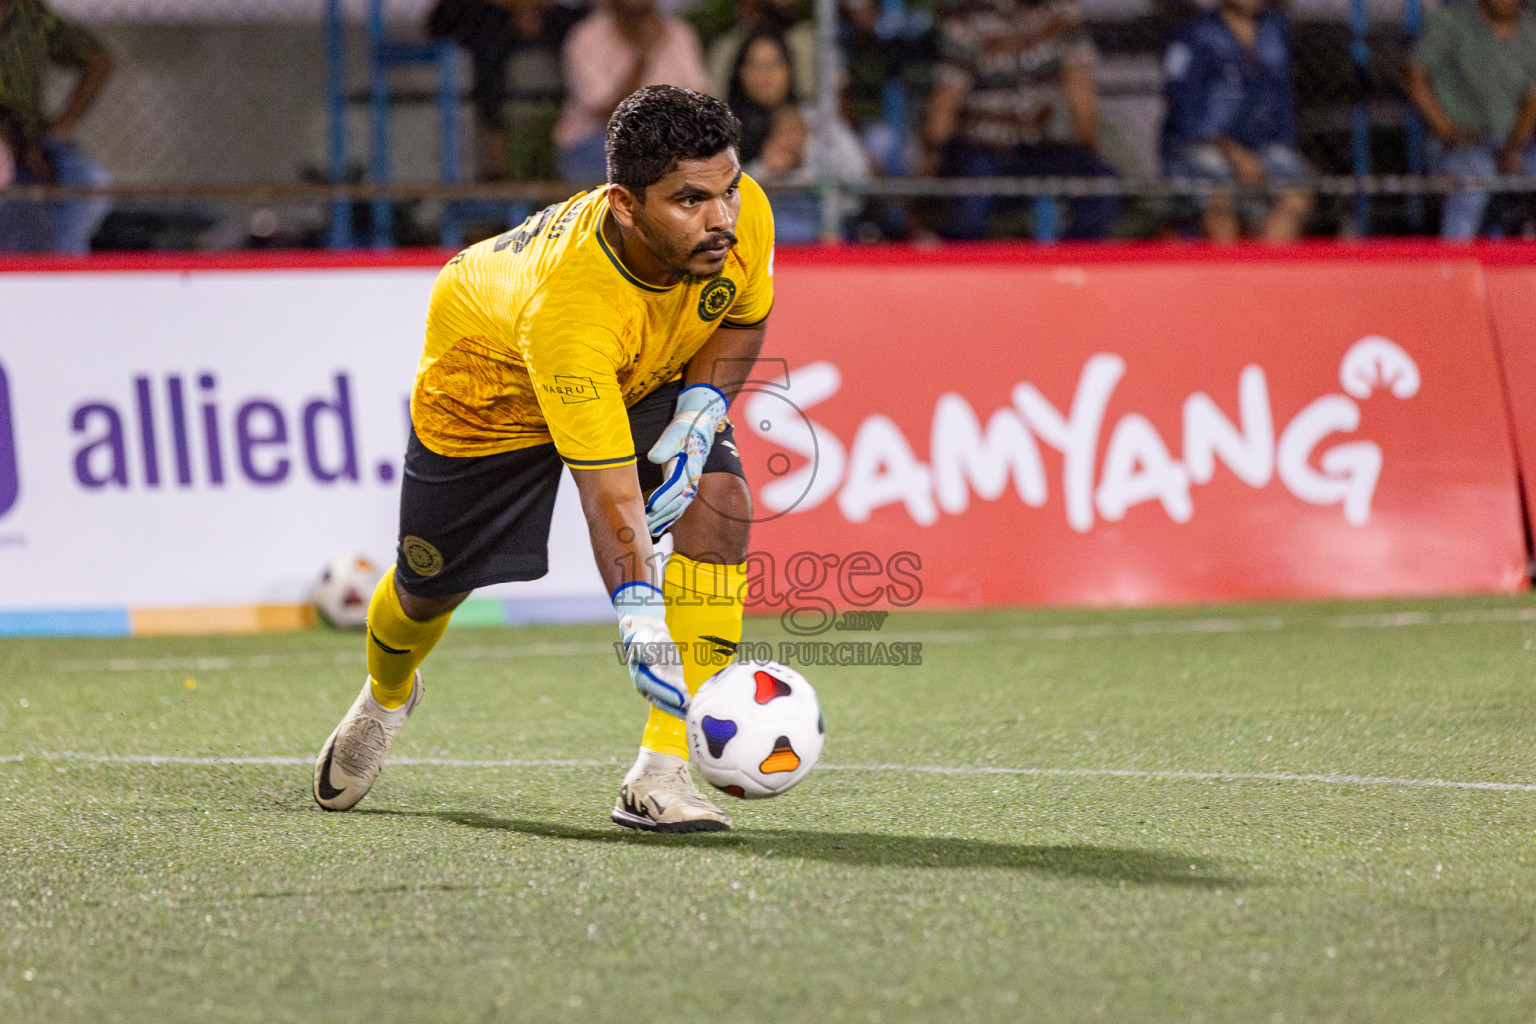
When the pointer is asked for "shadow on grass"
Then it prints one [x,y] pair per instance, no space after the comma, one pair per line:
[1103,863]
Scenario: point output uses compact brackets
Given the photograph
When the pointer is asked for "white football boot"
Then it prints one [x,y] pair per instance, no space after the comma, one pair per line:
[658,795]
[351,759]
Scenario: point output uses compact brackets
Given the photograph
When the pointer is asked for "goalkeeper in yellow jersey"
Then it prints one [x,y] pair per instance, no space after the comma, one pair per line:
[607,333]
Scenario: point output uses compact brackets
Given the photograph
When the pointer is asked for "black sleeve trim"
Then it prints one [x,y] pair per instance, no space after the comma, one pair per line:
[597,463]
[738,326]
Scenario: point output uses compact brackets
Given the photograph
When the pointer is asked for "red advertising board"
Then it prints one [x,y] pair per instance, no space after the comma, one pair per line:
[997,432]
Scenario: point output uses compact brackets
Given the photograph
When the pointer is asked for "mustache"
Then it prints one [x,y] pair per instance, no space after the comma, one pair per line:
[713,242]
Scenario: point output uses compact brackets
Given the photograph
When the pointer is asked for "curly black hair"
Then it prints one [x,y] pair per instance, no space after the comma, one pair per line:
[656,127]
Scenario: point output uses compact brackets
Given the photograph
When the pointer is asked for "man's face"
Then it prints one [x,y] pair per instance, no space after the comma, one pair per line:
[1244,8]
[688,219]
[633,10]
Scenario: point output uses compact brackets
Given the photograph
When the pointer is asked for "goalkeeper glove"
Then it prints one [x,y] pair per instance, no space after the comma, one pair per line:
[649,653]
[681,450]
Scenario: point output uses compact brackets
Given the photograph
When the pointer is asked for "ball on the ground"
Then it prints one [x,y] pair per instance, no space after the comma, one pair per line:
[755,729]
[344,590]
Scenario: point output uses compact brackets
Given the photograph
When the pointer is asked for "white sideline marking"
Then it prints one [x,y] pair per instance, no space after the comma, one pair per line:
[1071,631]
[216,762]
[213,663]
[1228,624]
[910,769]
[1127,773]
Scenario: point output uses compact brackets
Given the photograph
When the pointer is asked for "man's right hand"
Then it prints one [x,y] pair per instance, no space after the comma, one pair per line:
[1453,134]
[649,652]
[35,160]
[1511,160]
[1247,168]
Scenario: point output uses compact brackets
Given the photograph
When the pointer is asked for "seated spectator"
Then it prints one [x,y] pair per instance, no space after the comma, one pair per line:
[42,150]
[1232,119]
[609,54]
[24,227]
[494,32]
[753,16]
[760,84]
[1014,95]
[881,49]
[1473,78]
[785,145]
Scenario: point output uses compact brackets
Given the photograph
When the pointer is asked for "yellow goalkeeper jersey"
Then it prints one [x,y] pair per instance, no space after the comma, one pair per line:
[541,334]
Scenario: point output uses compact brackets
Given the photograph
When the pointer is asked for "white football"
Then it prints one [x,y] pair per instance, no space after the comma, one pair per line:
[344,590]
[755,729]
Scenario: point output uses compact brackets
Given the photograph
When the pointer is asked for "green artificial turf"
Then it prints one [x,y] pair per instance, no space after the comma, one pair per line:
[218,892]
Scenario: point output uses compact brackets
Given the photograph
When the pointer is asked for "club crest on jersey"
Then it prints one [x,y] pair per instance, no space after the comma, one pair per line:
[422,557]
[716,298]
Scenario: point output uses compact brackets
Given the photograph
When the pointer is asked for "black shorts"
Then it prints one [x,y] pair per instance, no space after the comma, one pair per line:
[470,522]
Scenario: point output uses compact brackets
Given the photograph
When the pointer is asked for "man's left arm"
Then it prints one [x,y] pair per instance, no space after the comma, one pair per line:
[1082,101]
[1079,92]
[1510,160]
[71,45]
[726,359]
[710,381]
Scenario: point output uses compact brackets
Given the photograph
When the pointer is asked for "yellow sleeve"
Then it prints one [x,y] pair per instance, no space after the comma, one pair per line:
[754,228]
[573,353]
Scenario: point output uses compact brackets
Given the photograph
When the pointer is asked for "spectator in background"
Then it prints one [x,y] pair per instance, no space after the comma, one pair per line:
[755,16]
[24,227]
[881,48]
[1473,77]
[1232,119]
[494,32]
[1014,95]
[783,144]
[42,150]
[609,54]
[760,85]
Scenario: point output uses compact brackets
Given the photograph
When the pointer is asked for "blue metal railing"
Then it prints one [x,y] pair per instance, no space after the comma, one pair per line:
[1413,21]
[383,56]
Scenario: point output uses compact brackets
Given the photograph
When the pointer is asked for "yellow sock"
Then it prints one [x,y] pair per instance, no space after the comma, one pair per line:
[397,643]
[704,606]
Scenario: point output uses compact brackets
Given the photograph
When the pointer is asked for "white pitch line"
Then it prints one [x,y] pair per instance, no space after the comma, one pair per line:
[1068,631]
[1126,773]
[1330,779]
[215,663]
[215,762]
[1229,624]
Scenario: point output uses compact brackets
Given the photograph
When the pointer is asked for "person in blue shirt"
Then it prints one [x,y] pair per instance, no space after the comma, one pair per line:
[1473,79]
[1232,119]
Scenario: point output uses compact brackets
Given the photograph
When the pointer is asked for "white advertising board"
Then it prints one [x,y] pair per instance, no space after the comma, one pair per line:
[173,439]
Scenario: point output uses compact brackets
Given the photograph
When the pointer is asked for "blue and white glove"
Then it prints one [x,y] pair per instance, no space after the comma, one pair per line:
[650,654]
[682,449]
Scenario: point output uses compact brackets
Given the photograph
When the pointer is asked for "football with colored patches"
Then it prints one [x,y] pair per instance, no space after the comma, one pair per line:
[344,590]
[755,729]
